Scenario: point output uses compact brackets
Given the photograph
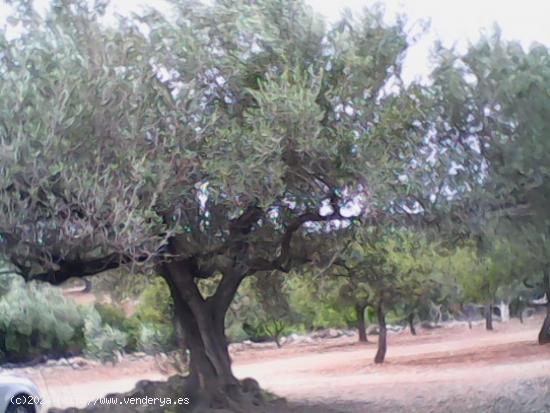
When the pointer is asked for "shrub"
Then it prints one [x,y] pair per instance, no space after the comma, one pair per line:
[155,303]
[116,318]
[103,341]
[155,314]
[235,332]
[156,338]
[36,320]
[110,314]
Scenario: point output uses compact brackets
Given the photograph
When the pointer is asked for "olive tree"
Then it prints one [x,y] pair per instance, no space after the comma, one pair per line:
[382,269]
[492,104]
[215,143]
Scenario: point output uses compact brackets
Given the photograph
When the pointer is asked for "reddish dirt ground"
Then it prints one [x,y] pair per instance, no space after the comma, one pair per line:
[421,372]
[432,367]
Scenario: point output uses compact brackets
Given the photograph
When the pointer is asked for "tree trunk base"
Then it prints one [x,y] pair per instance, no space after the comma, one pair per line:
[382,335]
[361,325]
[489,317]
[380,357]
[411,324]
[244,397]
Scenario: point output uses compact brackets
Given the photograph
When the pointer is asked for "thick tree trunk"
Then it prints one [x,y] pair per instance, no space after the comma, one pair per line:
[361,325]
[544,335]
[411,324]
[382,345]
[202,322]
[489,317]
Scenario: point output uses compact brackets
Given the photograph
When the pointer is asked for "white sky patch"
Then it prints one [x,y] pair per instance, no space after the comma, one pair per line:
[455,22]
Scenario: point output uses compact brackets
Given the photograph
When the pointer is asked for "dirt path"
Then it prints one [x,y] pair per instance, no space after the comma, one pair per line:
[430,369]
[422,373]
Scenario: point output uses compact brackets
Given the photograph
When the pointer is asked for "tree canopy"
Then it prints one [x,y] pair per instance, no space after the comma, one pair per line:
[222,139]
[235,138]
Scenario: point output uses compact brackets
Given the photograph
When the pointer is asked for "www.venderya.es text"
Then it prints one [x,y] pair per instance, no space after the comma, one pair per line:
[142,401]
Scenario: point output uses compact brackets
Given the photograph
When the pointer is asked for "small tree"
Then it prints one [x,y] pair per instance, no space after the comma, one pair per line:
[485,274]
[380,270]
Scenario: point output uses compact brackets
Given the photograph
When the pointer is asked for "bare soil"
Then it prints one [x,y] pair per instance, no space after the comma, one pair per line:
[442,370]
[450,369]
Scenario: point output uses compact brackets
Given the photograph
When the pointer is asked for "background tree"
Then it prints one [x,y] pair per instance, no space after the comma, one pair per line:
[492,102]
[535,269]
[275,312]
[380,269]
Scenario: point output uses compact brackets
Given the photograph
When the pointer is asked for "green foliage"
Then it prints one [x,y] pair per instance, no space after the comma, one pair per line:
[155,314]
[290,305]
[315,302]
[103,341]
[494,99]
[116,318]
[151,328]
[210,115]
[110,314]
[119,286]
[235,332]
[275,329]
[388,264]
[238,134]
[155,338]
[155,303]
[37,320]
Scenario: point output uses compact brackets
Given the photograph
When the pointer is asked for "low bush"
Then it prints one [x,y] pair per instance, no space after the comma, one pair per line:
[115,317]
[103,341]
[155,315]
[37,320]
[155,303]
[156,338]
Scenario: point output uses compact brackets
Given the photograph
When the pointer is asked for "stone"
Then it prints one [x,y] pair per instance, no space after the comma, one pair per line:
[63,362]
[139,354]
[78,362]
[333,333]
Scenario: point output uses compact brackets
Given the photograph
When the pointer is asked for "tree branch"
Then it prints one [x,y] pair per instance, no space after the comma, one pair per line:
[78,268]
[295,225]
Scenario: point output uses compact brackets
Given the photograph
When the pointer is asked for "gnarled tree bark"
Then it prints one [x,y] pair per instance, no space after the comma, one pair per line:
[202,321]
